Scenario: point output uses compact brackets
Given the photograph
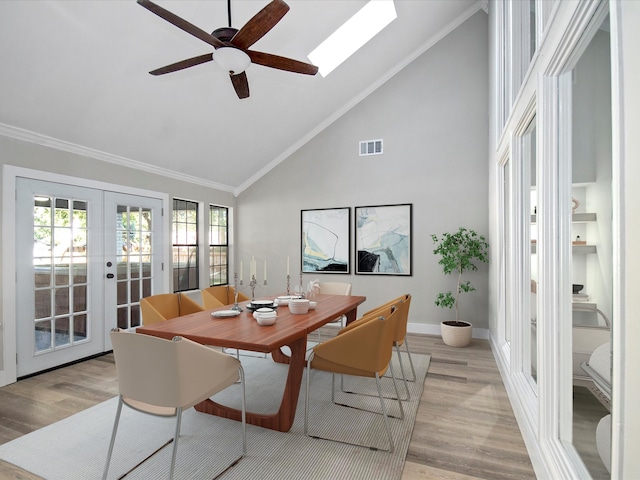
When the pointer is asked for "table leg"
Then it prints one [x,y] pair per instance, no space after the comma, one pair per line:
[351,315]
[282,420]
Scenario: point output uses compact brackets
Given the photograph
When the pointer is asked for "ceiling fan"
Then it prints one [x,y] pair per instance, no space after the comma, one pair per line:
[231,46]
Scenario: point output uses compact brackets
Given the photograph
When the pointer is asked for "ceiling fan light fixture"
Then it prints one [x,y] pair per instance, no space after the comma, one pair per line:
[232,60]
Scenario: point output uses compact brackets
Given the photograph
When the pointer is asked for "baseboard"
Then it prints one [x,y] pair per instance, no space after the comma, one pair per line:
[430,329]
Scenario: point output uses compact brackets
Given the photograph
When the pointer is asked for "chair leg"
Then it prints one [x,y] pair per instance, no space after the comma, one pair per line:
[384,410]
[395,386]
[175,441]
[113,438]
[413,371]
[384,413]
[404,378]
[244,412]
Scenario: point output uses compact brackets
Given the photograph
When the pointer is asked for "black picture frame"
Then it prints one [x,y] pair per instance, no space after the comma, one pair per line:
[383,243]
[325,240]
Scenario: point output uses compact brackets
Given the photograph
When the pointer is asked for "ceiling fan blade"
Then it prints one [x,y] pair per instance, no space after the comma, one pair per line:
[181,65]
[260,24]
[181,23]
[241,84]
[281,63]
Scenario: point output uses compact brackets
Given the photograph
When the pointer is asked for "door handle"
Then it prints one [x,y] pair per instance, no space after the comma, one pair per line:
[110,275]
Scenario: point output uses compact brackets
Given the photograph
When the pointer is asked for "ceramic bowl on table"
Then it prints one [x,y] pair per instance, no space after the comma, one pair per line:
[285,299]
[265,316]
[299,305]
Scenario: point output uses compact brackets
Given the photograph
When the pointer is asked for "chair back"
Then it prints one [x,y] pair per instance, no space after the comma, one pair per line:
[224,294]
[158,308]
[403,303]
[366,347]
[210,300]
[169,373]
[335,288]
[164,306]
[403,318]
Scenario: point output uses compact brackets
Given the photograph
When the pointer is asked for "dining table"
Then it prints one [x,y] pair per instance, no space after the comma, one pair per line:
[243,332]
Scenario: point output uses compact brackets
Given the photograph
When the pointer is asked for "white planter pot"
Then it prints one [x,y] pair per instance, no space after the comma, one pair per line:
[456,334]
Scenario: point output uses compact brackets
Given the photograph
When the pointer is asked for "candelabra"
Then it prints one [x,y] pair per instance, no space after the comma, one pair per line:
[235,293]
[301,287]
[288,285]
[252,285]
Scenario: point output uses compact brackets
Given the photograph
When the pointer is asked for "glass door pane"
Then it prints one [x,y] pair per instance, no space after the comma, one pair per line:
[57,278]
[132,256]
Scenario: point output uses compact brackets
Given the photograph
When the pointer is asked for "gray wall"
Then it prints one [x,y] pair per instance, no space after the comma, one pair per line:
[433,117]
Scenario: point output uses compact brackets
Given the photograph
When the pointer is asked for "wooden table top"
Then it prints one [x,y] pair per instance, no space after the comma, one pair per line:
[243,331]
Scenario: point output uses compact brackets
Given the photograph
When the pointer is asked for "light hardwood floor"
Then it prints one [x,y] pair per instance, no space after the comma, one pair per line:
[465,428]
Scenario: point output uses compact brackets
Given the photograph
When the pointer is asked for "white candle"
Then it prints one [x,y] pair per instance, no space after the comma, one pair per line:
[240,270]
[253,266]
[265,270]
[287,265]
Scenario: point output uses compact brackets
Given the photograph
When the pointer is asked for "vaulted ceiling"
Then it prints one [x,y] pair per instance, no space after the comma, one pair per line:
[74,75]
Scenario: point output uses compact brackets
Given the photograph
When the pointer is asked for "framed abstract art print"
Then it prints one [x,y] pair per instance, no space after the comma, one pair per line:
[326,240]
[383,239]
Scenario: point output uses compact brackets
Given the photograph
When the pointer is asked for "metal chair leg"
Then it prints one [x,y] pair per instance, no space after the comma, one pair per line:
[175,441]
[382,404]
[113,438]
[404,378]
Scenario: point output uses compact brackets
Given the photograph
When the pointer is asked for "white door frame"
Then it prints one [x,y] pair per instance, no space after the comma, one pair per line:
[8,369]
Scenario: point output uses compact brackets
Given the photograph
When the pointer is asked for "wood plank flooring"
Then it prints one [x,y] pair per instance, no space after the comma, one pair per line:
[465,428]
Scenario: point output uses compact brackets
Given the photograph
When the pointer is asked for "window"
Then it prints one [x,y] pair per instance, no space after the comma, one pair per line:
[185,245]
[218,245]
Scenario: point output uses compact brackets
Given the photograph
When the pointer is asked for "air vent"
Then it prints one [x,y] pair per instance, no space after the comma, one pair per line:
[371,147]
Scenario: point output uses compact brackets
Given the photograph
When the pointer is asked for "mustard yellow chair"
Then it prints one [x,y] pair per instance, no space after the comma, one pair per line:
[402,303]
[164,306]
[165,377]
[364,351]
[219,296]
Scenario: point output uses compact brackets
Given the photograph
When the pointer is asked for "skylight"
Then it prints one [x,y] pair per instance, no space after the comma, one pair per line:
[352,35]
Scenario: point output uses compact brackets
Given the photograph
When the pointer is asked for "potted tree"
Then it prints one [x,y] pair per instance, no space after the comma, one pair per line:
[459,252]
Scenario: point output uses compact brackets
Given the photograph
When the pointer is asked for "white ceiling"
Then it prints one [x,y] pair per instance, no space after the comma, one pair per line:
[74,74]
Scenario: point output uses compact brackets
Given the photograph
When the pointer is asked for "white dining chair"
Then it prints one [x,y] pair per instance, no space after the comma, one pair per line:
[165,377]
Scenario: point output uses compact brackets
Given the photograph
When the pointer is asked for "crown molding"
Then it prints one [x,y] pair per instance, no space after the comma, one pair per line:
[46,141]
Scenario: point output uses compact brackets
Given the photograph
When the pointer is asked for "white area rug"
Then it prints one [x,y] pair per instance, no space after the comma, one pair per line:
[75,448]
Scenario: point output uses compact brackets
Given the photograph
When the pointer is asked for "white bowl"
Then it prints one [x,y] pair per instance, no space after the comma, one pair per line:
[266,320]
[312,305]
[284,300]
[299,306]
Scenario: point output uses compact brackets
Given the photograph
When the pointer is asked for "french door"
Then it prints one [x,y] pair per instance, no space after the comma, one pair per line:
[84,258]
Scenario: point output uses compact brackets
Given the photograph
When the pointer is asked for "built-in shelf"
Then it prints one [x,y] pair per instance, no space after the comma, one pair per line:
[584,249]
[578,249]
[584,305]
[576,218]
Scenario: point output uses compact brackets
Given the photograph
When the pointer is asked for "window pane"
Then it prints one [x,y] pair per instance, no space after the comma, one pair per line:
[185,245]
[218,245]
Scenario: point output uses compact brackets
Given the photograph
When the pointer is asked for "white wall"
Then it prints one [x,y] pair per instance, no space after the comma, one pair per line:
[38,157]
[433,117]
